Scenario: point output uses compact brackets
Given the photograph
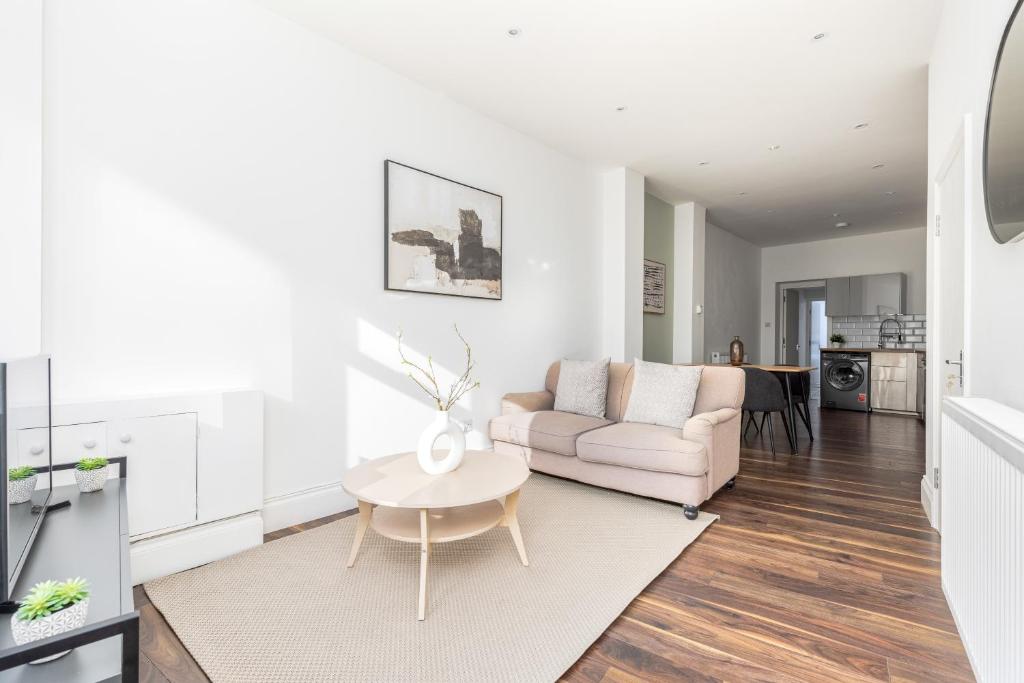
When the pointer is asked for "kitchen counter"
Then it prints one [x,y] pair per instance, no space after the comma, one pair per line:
[871,349]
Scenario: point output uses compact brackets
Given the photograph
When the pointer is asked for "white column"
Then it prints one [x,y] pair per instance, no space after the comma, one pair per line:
[21,234]
[688,294]
[622,296]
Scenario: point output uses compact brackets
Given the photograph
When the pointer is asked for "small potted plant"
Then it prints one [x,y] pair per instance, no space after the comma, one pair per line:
[21,483]
[49,609]
[837,340]
[91,474]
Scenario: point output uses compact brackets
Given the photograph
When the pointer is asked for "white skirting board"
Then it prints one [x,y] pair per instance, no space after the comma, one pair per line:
[195,546]
[928,501]
[302,506]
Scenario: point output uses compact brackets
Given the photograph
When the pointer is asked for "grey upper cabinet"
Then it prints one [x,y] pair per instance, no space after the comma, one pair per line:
[884,294]
[837,296]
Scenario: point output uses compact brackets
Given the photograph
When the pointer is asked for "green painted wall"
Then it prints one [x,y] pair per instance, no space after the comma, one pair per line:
[659,226]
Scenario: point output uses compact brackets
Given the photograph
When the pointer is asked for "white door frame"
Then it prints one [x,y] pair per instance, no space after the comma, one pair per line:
[962,144]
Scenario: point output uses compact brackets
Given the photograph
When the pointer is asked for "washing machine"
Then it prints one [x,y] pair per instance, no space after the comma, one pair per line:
[846,380]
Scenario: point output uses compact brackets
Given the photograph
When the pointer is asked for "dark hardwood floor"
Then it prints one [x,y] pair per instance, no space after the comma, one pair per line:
[822,568]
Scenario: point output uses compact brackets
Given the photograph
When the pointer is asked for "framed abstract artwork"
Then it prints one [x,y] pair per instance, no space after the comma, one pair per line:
[654,286]
[443,236]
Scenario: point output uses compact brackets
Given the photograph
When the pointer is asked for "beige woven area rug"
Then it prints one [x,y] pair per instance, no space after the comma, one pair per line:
[289,610]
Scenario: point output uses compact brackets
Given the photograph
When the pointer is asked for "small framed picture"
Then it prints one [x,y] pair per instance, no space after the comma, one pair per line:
[654,286]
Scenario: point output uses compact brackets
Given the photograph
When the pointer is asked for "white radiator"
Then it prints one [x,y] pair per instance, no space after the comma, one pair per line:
[982,513]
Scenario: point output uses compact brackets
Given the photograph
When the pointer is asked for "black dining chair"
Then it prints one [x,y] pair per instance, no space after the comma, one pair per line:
[763,395]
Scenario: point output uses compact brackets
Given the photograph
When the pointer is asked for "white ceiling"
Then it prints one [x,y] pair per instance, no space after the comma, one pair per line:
[703,80]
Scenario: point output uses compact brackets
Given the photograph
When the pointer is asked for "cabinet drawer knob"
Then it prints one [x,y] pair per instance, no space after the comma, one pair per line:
[126,438]
[36,450]
[89,443]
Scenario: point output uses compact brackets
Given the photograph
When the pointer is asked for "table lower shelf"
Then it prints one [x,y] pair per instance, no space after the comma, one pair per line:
[444,524]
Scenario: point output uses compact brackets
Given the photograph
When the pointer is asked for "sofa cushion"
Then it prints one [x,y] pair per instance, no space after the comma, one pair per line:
[662,394]
[644,447]
[549,430]
[582,387]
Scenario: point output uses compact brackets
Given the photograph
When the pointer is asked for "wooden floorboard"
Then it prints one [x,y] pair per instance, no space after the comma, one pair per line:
[822,568]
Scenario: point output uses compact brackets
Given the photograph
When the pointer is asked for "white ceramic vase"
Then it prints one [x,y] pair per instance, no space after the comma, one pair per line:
[65,620]
[21,491]
[91,480]
[442,425]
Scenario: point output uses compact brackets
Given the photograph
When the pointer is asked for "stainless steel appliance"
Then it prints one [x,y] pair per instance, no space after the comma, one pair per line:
[846,380]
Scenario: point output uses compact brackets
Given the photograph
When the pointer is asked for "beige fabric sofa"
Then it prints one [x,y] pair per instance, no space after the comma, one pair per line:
[680,465]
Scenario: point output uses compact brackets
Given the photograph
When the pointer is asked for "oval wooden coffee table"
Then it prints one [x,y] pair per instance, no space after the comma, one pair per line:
[399,500]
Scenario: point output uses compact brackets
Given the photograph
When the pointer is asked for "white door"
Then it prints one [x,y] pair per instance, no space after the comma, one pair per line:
[818,328]
[791,326]
[947,350]
[161,454]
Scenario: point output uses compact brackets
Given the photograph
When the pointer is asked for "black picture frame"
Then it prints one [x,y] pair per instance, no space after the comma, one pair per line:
[388,163]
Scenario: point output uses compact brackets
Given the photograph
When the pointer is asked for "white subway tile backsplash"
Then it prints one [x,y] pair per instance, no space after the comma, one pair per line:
[863,329]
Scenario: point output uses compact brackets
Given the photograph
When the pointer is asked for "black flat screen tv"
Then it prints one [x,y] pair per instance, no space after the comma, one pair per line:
[25,441]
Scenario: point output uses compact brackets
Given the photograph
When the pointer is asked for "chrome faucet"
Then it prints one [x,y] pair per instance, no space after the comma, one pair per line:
[884,336]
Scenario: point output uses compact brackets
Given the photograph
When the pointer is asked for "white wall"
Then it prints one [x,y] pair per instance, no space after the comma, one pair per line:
[21,237]
[688,246]
[732,292]
[960,74]
[214,218]
[623,258]
[900,251]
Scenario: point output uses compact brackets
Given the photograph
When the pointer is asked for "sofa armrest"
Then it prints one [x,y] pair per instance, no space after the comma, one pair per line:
[528,402]
[719,432]
[705,422]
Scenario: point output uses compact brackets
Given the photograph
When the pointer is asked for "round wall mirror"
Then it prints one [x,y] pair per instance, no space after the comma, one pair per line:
[1004,136]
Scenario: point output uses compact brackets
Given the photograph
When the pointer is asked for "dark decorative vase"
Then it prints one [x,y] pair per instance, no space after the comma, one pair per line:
[736,351]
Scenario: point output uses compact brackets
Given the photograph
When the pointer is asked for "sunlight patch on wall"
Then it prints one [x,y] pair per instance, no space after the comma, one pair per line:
[152,298]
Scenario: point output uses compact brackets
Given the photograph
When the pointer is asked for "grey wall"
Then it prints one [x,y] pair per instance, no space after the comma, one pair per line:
[659,225]
[732,292]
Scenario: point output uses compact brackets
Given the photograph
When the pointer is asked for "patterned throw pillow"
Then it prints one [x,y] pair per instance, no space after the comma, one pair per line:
[582,387]
[662,394]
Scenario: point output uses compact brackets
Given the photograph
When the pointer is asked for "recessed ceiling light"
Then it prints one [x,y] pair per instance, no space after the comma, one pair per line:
[842,224]
[621,107]
[774,147]
[877,166]
[819,36]
[514,32]
[860,125]
[703,163]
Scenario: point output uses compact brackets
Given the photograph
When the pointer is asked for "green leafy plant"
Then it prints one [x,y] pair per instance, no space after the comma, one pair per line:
[459,388]
[19,473]
[48,597]
[89,464]
[837,338]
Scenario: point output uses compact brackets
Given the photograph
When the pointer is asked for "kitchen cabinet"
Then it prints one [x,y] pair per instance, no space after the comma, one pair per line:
[894,381]
[837,296]
[884,294]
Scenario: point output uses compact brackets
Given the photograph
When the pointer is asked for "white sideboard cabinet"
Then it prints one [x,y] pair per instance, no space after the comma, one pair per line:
[194,471]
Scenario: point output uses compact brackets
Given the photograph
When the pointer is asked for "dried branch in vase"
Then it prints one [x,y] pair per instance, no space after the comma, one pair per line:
[427,379]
